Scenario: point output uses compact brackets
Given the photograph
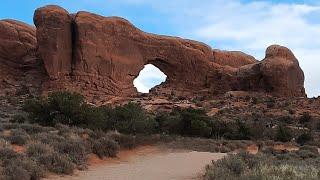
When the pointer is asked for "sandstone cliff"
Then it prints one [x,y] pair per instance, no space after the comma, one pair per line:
[101,56]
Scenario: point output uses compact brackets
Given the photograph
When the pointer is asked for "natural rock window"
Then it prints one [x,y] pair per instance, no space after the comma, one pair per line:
[149,77]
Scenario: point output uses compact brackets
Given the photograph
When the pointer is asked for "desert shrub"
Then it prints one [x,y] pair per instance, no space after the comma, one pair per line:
[18,137]
[263,166]
[304,138]
[254,100]
[305,118]
[283,134]
[286,119]
[132,119]
[224,149]
[59,107]
[243,131]
[7,154]
[305,154]
[76,150]
[124,141]
[270,102]
[57,163]
[12,172]
[48,138]
[4,144]
[188,122]
[105,147]
[257,130]
[16,166]
[34,128]
[312,149]
[220,128]
[97,118]
[37,149]
[19,118]
[51,160]
[70,109]
[169,123]
[227,168]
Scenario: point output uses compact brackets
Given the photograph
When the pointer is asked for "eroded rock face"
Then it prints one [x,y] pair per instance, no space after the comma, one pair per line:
[114,50]
[234,59]
[20,69]
[17,42]
[54,35]
[101,56]
[281,69]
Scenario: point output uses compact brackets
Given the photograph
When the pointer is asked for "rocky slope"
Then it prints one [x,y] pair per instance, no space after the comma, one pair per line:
[101,56]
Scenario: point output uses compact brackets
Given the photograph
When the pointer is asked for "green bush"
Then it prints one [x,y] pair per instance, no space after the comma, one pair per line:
[59,107]
[70,109]
[132,119]
[305,118]
[187,122]
[283,134]
[220,129]
[270,102]
[243,132]
[304,138]
[169,123]
[124,141]
[19,118]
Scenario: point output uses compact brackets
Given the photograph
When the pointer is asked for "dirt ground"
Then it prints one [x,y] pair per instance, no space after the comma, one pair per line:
[147,163]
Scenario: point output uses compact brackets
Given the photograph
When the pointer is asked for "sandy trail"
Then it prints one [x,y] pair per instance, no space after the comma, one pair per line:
[148,163]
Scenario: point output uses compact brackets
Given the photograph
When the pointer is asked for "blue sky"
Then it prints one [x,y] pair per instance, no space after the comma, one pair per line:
[246,25]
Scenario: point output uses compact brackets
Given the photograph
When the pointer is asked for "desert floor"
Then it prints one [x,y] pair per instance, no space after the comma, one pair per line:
[147,163]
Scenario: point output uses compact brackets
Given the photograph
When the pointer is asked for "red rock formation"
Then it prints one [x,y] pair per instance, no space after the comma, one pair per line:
[19,66]
[114,50]
[234,59]
[54,35]
[17,42]
[101,56]
[281,69]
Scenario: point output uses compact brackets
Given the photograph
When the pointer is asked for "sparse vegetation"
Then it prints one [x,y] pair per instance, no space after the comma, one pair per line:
[56,134]
[105,147]
[283,133]
[265,166]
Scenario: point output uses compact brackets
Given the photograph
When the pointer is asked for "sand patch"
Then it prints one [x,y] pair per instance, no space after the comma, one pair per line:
[18,149]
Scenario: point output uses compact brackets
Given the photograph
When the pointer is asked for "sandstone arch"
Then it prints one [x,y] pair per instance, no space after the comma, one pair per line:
[109,52]
[100,56]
